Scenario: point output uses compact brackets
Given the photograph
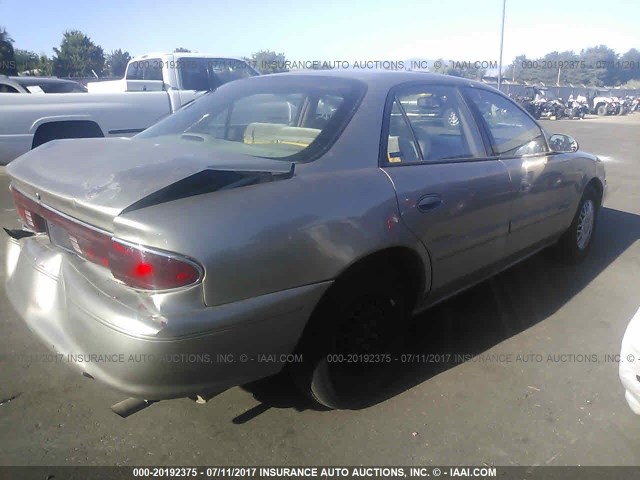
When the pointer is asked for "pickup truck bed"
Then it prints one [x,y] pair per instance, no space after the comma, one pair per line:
[27,121]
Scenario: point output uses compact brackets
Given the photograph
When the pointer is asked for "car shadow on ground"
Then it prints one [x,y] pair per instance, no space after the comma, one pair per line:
[480,318]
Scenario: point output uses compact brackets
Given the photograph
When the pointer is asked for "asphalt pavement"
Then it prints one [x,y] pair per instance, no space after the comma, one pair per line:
[520,370]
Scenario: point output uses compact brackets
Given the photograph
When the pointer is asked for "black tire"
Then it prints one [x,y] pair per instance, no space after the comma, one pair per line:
[571,248]
[601,110]
[362,314]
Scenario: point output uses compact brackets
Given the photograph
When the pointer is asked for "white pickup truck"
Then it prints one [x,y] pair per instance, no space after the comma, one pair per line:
[154,86]
[175,71]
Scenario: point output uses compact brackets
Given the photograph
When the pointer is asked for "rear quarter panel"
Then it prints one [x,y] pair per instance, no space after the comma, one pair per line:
[271,237]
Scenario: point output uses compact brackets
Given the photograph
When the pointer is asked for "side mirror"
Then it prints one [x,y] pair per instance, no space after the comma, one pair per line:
[563,143]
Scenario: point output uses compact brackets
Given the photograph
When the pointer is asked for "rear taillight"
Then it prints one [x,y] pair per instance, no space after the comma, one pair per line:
[135,265]
[29,211]
[153,270]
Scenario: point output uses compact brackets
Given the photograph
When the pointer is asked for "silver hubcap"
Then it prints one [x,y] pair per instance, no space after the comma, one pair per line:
[585,224]
[453,119]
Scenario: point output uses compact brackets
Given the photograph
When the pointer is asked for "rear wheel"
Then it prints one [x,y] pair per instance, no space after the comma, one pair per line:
[347,345]
[601,110]
[575,243]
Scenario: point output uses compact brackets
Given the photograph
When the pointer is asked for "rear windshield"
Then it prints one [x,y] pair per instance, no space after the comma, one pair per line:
[291,117]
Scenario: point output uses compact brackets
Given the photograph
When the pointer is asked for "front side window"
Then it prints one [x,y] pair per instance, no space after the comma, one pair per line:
[428,123]
[203,74]
[513,132]
[226,70]
[290,118]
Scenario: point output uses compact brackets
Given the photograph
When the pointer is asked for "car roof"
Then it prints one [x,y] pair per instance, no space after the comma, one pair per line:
[8,80]
[386,78]
[152,55]
[40,80]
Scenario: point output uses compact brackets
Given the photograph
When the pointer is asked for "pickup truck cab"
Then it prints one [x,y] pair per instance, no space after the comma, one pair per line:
[184,72]
[154,86]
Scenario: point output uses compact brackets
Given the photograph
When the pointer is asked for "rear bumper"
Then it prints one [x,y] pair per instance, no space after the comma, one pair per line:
[151,346]
[630,363]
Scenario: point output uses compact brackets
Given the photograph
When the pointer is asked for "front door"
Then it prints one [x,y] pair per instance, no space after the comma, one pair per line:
[542,181]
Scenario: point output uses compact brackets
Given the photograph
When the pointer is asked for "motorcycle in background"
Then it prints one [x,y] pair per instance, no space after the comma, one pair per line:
[551,109]
[577,108]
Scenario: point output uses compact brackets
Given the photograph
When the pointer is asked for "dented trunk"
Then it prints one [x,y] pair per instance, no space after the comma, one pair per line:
[95,180]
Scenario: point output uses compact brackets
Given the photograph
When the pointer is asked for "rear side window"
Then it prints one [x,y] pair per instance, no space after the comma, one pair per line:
[148,69]
[429,123]
[153,69]
[513,132]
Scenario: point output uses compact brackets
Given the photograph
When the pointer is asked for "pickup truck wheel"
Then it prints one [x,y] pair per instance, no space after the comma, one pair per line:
[347,345]
[575,243]
[602,110]
[66,129]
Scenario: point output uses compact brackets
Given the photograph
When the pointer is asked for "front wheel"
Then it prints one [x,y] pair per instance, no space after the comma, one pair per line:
[575,243]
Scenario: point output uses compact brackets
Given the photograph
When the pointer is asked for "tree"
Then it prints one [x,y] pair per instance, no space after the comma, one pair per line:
[182,50]
[629,66]
[77,56]
[26,60]
[268,61]
[516,71]
[31,63]
[601,61]
[45,67]
[117,62]
[596,66]
[7,54]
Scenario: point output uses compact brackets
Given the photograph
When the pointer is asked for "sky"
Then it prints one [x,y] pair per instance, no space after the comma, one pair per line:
[343,30]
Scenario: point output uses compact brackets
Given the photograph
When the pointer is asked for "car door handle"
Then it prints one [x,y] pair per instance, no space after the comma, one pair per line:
[429,202]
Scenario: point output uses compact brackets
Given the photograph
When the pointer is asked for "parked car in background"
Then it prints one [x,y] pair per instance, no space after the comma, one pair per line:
[300,213]
[629,369]
[39,85]
[176,71]
[27,121]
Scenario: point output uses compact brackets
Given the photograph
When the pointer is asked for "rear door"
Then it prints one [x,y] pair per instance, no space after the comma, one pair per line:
[450,193]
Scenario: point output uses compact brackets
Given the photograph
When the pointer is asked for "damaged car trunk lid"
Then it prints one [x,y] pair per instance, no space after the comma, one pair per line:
[95,180]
